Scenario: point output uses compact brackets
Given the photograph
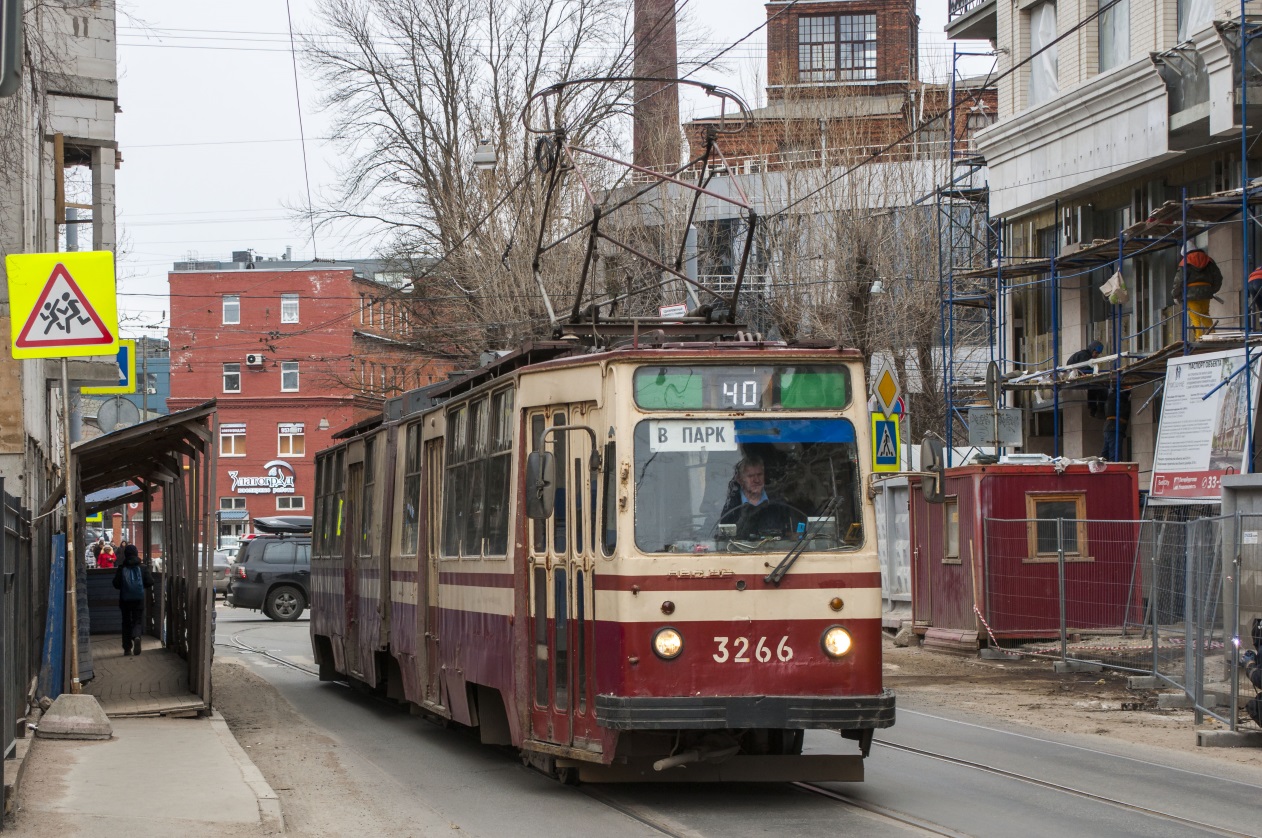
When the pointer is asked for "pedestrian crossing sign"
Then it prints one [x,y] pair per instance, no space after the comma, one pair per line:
[62,304]
[885,444]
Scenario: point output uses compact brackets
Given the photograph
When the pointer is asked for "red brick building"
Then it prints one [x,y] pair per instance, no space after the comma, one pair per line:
[292,351]
[842,82]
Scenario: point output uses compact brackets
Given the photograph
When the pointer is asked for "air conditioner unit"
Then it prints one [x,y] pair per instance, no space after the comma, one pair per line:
[254,360]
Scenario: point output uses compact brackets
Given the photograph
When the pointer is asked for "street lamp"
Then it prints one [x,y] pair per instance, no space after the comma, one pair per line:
[484,157]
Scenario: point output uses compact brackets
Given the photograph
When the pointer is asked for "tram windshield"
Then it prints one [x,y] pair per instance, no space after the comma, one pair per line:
[746,485]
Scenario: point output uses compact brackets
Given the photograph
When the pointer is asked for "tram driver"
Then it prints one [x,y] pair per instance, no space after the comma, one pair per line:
[751,511]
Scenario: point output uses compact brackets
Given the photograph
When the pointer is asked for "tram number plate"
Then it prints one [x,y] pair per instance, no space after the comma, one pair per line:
[737,650]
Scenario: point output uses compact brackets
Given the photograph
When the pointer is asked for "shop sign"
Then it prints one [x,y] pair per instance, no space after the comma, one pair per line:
[278,480]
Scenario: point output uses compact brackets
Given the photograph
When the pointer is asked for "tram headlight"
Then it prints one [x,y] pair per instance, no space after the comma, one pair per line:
[836,642]
[668,643]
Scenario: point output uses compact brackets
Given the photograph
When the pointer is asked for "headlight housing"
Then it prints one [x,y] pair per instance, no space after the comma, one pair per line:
[836,642]
[668,643]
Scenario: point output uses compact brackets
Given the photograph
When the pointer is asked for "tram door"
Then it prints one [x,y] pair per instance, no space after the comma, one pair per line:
[350,558]
[560,587]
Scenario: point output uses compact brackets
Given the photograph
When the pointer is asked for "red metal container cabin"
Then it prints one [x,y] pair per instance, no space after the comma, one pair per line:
[1001,571]
[544,633]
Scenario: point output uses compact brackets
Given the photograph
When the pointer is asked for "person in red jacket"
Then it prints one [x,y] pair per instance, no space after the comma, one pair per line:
[106,558]
[1203,279]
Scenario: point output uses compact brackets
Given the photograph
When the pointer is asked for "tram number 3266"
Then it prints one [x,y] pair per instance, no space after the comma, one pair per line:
[739,651]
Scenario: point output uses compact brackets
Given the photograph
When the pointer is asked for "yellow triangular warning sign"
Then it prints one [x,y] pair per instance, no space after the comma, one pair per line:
[62,316]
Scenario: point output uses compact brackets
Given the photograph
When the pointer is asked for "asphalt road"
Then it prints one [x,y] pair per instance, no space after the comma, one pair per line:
[972,785]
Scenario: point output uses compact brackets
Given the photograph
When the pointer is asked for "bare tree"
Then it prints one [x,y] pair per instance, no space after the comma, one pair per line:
[414,84]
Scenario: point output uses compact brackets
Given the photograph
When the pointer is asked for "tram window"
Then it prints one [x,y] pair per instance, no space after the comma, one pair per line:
[610,520]
[473,475]
[499,473]
[317,511]
[559,519]
[580,646]
[366,498]
[339,483]
[578,504]
[541,636]
[562,640]
[454,499]
[538,529]
[411,489]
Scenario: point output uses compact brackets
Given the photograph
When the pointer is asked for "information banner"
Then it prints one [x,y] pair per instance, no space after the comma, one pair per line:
[1204,426]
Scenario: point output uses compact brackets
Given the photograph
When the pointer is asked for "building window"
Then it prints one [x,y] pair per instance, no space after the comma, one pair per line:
[362,304]
[1049,512]
[951,531]
[836,48]
[289,376]
[1115,35]
[1044,79]
[289,503]
[232,441]
[291,439]
[231,309]
[232,503]
[289,308]
[232,378]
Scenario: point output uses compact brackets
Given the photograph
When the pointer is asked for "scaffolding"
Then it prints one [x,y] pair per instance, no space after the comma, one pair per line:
[978,278]
[970,306]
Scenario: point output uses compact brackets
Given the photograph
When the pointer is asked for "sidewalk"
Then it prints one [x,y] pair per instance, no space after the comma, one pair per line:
[156,777]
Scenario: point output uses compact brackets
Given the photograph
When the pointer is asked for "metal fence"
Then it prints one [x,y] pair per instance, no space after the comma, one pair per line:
[15,619]
[1158,596]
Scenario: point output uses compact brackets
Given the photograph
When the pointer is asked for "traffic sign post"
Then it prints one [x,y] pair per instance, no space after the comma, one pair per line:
[126,372]
[885,444]
[62,305]
[885,388]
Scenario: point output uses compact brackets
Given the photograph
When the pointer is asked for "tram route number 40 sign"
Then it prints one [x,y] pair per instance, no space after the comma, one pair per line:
[62,304]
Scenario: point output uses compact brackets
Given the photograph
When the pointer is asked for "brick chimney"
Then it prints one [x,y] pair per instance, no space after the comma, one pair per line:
[656,115]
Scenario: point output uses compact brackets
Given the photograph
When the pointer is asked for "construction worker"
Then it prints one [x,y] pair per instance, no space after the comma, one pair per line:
[1095,395]
[1255,299]
[1117,413]
[1203,281]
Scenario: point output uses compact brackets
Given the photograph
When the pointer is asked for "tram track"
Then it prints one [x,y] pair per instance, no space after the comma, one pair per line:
[667,827]
[238,645]
[1069,790]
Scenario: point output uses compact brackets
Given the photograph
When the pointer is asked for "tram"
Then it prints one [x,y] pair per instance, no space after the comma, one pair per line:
[645,562]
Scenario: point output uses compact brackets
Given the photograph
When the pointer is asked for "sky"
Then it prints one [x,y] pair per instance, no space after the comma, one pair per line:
[211,143]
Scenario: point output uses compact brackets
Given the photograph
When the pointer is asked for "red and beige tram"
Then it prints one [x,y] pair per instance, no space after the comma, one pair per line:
[571,552]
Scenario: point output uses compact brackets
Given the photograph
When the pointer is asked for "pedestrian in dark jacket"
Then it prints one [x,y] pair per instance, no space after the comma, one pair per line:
[131,578]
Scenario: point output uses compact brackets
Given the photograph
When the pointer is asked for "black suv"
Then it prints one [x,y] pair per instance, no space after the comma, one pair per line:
[273,569]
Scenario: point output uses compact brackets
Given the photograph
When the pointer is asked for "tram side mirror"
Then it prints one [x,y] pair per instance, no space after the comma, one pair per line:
[541,474]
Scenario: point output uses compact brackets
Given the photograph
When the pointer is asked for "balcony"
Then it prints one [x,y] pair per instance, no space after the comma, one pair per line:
[972,20]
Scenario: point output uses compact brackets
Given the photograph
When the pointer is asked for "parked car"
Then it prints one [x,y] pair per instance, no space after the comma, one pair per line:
[221,572]
[273,570]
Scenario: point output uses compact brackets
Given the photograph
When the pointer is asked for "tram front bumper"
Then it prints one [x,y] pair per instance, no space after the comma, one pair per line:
[784,712]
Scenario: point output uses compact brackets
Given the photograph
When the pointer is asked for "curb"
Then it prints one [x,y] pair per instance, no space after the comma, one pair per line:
[13,771]
[270,814]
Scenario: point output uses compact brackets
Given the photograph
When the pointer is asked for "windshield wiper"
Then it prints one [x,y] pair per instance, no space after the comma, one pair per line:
[829,511]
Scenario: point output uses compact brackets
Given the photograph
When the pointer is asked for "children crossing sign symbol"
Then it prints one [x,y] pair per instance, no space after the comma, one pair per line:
[884,444]
[62,304]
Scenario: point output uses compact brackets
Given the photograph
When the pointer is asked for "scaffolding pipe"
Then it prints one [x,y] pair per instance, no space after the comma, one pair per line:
[1245,226]
[1056,335]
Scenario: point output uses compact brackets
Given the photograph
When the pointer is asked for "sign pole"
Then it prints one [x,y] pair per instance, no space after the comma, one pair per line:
[72,597]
